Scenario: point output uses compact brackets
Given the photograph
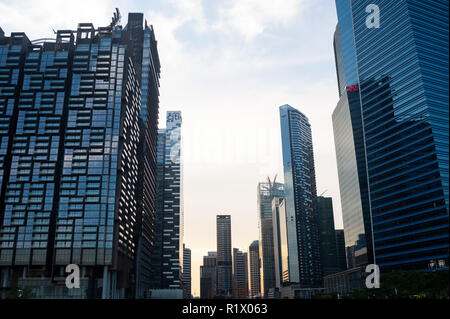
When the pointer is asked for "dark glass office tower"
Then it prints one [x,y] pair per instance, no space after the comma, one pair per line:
[70,166]
[224,258]
[208,276]
[350,150]
[266,193]
[328,254]
[168,249]
[403,89]
[340,249]
[301,198]
[254,270]
[240,274]
[187,271]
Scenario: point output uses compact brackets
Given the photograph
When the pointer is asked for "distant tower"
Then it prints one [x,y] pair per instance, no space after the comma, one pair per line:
[328,253]
[340,249]
[208,276]
[266,193]
[187,271]
[168,250]
[224,258]
[255,274]
[240,274]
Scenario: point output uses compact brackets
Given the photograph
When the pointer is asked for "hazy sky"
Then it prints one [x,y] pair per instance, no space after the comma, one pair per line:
[227,65]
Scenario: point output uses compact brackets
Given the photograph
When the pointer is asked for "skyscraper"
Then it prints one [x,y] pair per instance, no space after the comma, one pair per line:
[328,253]
[403,90]
[280,241]
[168,249]
[224,258]
[300,193]
[148,126]
[240,274]
[187,271]
[350,153]
[340,249]
[71,126]
[255,274]
[266,193]
[208,276]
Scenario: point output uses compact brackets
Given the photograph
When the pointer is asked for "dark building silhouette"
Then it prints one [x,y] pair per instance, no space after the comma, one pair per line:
[328,253]
[254,271]
[208,276]
[340,250]
[240,274]
[224,257]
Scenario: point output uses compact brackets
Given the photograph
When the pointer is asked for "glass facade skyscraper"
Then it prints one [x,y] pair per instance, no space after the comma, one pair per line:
[187,271]
[208,276]
[301,198]
[280,241]
[266,193]
[350,149]
[168,249]
[240,274]
[70,134]
[402,83]
[254,270]
[224,258]
[328,253]
[340,249]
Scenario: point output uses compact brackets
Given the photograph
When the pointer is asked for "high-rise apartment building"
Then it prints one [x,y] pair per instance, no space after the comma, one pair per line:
[187,280]
[402,86]
[208,276]
[266,193]
[254,270]
[71,125]
[300,198]
[168,249]
[240,274]
[224,257]
[328,253]
[148,124]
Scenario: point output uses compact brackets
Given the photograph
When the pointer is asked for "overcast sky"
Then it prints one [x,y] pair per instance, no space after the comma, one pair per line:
[227,65]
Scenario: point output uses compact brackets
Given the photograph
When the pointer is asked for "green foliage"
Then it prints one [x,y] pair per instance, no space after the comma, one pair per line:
[407,284]
[19,293]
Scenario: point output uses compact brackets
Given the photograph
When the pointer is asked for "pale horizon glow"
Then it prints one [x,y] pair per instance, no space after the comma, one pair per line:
[227,65]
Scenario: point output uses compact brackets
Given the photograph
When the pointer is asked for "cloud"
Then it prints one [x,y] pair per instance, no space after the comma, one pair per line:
[250,18]
[39,17]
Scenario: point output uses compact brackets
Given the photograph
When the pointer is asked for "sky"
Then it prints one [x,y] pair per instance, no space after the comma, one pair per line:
[227,65]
